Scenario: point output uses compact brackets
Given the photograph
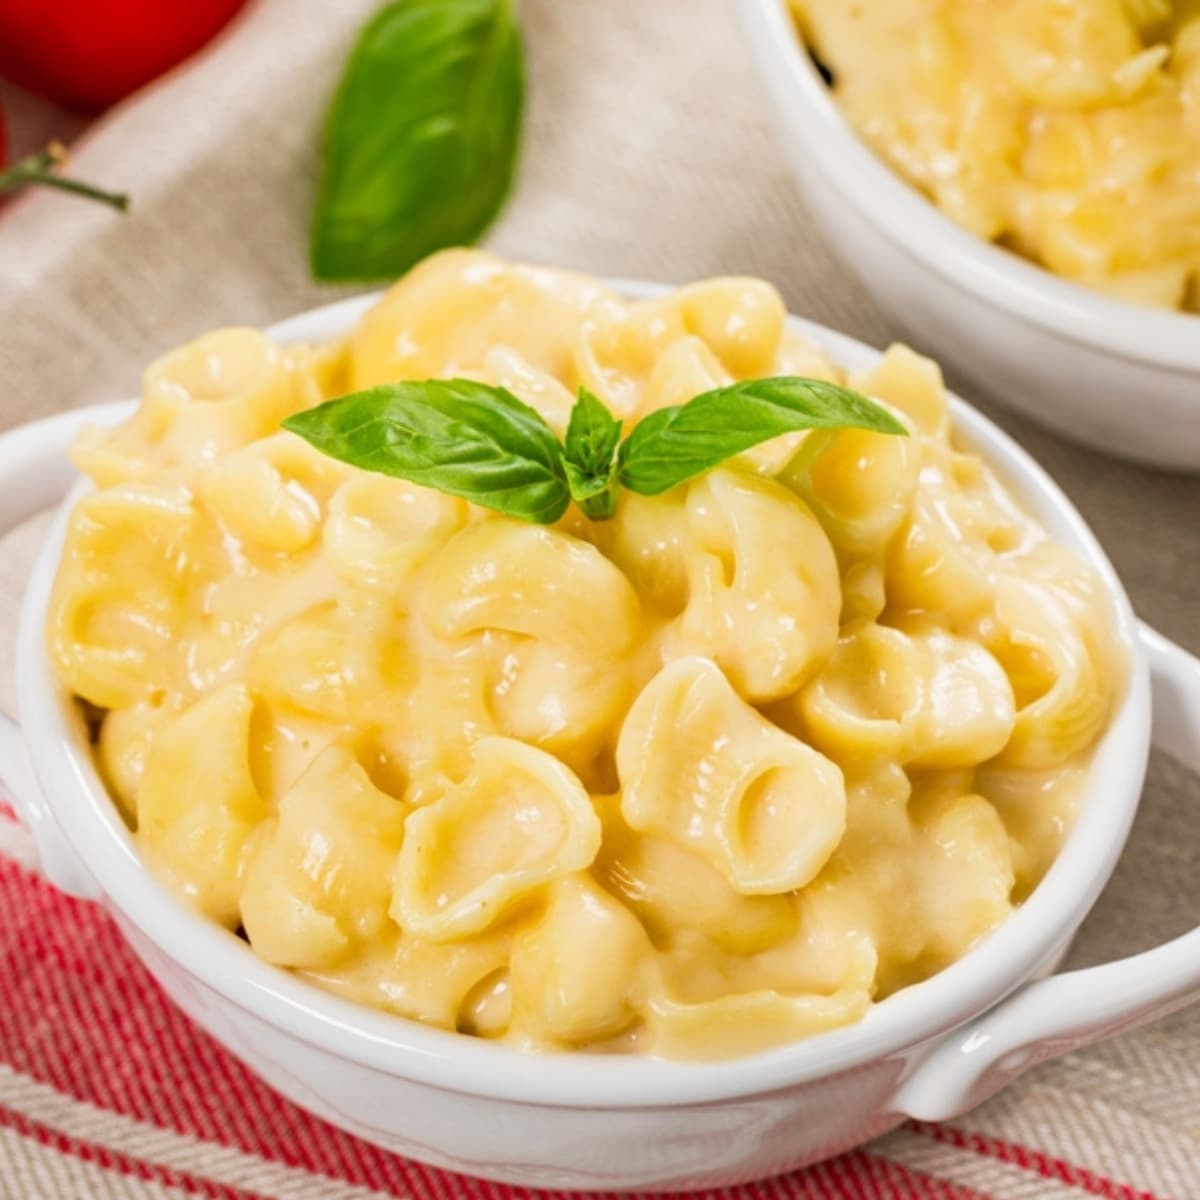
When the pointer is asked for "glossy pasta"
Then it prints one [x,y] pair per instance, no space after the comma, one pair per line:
[712,775]
[1068,130]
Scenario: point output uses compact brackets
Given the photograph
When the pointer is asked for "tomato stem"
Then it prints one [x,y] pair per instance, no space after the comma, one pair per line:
[40,169]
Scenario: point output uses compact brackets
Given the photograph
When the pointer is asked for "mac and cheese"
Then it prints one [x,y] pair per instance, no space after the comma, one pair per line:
[711,775]
[1068,130]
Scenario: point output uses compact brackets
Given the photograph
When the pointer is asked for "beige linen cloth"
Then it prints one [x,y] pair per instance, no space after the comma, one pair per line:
[648,152]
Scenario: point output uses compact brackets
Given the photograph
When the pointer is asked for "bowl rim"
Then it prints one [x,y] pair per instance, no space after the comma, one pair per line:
[999,277]
[223,964]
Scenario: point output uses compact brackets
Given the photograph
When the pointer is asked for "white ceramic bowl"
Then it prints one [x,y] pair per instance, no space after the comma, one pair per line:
[1118,377]
[593,1121]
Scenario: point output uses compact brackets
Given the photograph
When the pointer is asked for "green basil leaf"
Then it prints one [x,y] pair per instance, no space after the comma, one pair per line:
[465,438]
[421,138]
[589,456]
[673,445]
[592,435]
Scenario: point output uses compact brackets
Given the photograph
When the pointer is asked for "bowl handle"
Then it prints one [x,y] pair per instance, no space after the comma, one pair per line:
[34,474]
[1053,1016]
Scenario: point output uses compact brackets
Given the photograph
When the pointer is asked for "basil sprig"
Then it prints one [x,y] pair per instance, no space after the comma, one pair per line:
[481,443]
[421,138]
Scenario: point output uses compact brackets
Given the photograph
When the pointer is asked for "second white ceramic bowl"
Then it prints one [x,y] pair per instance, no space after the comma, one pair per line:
[1118,377]
[596,1121]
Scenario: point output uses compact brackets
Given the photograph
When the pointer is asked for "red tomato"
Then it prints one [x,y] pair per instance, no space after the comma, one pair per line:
[90,53]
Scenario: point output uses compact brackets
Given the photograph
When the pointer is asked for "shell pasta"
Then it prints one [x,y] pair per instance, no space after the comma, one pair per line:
[713,774]
[1066,130]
